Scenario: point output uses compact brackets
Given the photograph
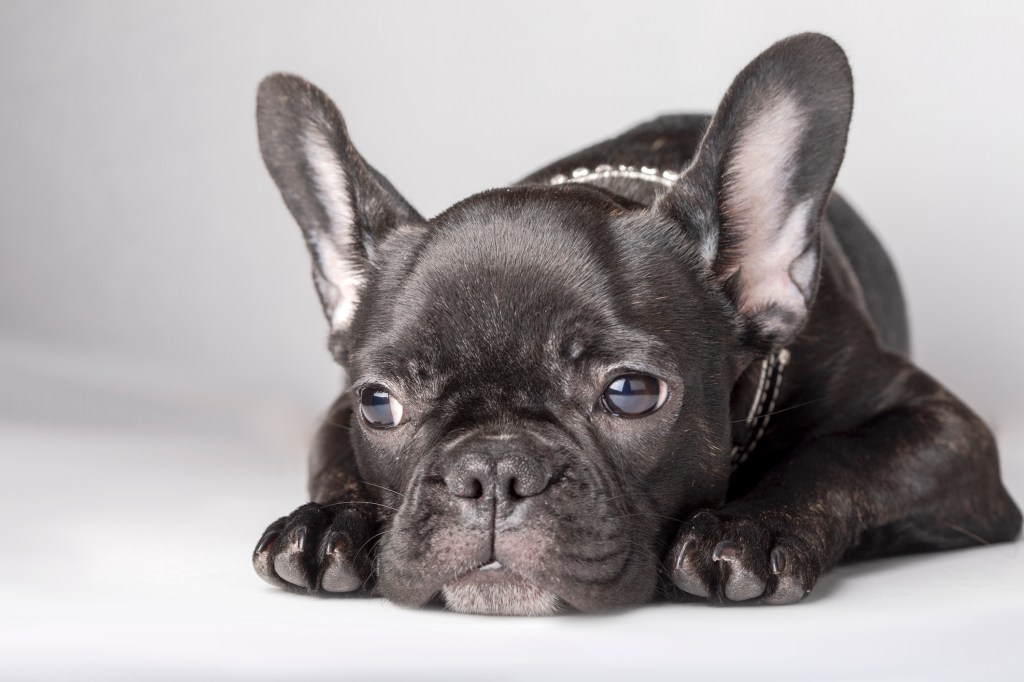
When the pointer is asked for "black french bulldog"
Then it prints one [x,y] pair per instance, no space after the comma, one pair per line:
[673,363]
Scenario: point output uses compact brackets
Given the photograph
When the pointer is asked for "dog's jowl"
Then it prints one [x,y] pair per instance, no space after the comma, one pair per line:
[671,365]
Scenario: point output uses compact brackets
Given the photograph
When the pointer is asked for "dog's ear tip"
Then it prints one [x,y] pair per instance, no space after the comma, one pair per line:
[817,43]
[281,80]
[287,97]
[813,53]
[813,38]
[812,67]
[282,86]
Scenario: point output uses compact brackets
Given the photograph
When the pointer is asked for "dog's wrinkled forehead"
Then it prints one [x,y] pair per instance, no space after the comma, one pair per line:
[503,284]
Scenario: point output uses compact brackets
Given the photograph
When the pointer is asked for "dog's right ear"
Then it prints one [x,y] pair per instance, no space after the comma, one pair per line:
[755,194]
[342,204]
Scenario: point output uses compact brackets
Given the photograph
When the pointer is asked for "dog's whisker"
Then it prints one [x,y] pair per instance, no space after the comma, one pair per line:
[378,504]
[381,487]
[374,571]
[613,497]
[643,513]
[963,531]
[343,427]
[785,409]
[371,539]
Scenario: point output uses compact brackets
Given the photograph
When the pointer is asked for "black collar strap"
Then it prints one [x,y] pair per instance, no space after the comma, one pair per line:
[768,386]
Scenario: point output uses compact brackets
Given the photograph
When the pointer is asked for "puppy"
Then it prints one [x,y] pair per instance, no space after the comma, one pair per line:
[671,364]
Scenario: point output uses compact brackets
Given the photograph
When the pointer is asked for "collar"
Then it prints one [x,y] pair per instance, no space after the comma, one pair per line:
[605,170]
[768,386]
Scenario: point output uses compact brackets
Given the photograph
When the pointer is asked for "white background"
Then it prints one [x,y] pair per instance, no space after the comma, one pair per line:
[162,358]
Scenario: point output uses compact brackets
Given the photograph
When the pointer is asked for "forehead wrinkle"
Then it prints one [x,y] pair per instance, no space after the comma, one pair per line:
[521,265]
[632,349]
[518,244]
[516,268]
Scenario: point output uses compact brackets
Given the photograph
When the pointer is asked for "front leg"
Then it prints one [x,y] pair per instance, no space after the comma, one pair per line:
[324,546]
[920,475]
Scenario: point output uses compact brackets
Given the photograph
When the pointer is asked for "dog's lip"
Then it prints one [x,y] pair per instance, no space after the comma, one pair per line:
[491,572]
[494,589]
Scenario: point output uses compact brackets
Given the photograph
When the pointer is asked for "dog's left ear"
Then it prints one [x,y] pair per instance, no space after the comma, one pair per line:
[344,207]
[755,194]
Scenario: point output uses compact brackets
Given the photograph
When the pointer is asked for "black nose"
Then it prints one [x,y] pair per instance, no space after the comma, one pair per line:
[508,477]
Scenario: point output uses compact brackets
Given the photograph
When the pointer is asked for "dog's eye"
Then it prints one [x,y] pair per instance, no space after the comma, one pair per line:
[379,407]
[634,395]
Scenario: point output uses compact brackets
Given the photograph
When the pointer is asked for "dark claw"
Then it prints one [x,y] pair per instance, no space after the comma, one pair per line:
[788,588]
[299,539]
[289,563]
[265,542]
[778,561]
[686,575]
[339,574]
[261,556]
[726,551]
[337,544]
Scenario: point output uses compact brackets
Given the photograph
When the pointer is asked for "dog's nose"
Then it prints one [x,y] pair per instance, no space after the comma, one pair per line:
[508,477]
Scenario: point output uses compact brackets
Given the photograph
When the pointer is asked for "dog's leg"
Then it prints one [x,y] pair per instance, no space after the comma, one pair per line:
[325,545]
[920,475]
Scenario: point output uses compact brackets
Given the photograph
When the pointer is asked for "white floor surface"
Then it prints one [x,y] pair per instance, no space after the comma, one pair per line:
[127,557]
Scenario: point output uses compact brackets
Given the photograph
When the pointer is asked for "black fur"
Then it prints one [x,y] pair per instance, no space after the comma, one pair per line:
[498,323]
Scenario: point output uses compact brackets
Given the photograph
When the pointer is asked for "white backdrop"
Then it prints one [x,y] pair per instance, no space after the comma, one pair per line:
[140,226]
[152,283]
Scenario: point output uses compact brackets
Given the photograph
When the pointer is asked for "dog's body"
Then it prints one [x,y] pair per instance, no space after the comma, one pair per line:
[671,362]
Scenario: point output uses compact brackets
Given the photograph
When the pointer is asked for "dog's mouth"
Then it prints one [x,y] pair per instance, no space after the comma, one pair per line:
[493,589]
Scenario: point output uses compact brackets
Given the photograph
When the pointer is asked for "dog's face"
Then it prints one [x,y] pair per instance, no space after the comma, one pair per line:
[550,398]
[543,372]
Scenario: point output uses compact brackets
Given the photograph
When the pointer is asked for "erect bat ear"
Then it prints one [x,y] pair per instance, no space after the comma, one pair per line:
[342,204]
[755,194]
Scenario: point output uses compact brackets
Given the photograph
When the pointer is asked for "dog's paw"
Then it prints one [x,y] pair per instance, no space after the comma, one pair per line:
[317,549]
[739,559]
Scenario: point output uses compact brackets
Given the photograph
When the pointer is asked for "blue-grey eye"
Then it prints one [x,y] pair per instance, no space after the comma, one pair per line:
[379,407]
[634,395]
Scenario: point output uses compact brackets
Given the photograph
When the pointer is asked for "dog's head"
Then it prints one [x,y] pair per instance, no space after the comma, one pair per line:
[543,373]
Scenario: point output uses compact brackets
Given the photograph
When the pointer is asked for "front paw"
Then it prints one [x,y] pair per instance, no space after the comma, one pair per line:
[317,549]
[737,558]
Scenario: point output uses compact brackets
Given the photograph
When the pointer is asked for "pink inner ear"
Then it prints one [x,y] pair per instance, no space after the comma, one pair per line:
[768,275]
[772,230]
[338,279]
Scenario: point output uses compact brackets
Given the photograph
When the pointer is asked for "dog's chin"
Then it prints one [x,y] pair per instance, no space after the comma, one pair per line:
[495,591]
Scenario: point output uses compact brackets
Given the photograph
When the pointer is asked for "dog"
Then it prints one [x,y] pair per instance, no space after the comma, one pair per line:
[673,365]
